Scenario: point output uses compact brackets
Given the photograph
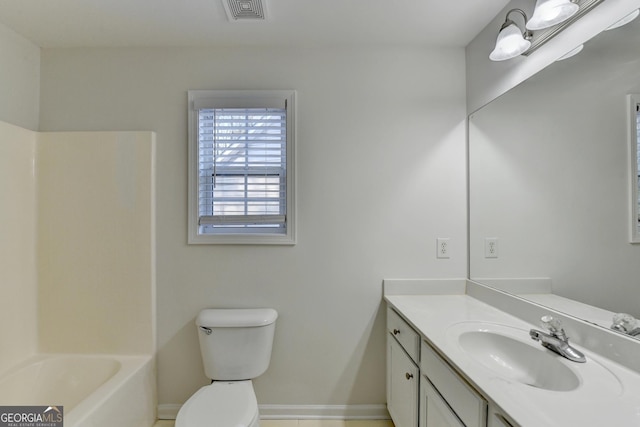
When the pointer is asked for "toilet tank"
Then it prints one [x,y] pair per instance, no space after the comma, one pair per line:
[236,343]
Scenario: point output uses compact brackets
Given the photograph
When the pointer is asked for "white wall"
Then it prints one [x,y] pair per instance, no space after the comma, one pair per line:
[20,81]
[381,135]
[549,178]
[18,279]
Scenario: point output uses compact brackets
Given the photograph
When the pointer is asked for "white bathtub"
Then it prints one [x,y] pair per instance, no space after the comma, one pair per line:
[95,390]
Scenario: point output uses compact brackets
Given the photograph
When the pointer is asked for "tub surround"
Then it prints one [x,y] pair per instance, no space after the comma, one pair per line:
[79,234]
[18,277]
[95,390]
[126,400]
[599,400]
[95,242]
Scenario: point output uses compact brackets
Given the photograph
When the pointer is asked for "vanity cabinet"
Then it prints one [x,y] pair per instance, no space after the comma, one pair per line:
[423,390]
[402,386]
[403,374]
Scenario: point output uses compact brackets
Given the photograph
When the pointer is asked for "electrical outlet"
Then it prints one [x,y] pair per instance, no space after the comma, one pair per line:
[442,247]
[491,247]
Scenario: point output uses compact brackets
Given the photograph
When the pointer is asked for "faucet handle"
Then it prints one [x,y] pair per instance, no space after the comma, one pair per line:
[624,322]
[554,326]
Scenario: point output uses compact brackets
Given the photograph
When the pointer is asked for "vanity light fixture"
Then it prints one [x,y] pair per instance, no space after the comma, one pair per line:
[571,53]
[630,17]
[550,18]
[548,13]
[511,41]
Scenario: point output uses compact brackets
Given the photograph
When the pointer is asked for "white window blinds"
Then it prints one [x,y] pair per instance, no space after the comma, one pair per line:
[242,169]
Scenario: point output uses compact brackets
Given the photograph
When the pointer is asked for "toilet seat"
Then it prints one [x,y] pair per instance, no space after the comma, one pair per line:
[221,404]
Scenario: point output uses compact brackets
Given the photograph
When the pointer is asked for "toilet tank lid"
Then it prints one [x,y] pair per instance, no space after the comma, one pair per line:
[236,317]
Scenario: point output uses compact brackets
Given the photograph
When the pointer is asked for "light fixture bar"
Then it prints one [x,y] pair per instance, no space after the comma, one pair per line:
[541,37]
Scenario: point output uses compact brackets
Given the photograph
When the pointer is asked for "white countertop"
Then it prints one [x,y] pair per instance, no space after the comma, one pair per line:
[609,393]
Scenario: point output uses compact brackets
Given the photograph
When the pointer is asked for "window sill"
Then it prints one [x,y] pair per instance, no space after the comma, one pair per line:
[242,239]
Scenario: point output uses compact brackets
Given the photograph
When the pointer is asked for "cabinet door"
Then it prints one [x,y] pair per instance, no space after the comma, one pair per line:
[497,418]
[403,379]
[434,411]
[468,405]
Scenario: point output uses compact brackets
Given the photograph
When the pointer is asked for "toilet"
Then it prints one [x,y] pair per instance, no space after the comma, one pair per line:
[236,347]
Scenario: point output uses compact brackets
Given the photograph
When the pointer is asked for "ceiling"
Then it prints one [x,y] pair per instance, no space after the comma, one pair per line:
[102,23]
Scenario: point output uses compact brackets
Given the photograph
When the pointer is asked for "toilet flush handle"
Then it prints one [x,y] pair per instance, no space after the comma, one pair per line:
[205,330]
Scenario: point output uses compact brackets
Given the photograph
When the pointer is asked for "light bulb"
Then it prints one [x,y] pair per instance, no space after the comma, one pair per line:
[630,17]
[548,13]
[510,43]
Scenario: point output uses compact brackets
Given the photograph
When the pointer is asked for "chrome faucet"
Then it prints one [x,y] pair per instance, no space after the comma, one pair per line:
[626,324]
[556,340]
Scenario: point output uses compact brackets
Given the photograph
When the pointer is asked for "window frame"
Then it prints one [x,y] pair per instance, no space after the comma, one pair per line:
[634,167]
[240,99]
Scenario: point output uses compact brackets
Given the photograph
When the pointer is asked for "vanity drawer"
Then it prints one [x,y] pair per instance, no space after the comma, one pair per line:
[406,336]
[468,405]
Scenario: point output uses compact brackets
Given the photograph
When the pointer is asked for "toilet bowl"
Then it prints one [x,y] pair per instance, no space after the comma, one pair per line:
[236,346]
[221,404]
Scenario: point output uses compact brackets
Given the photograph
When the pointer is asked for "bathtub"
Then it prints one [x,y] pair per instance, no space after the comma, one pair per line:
[95,390]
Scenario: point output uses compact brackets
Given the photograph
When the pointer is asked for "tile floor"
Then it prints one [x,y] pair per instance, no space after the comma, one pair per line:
[307,423]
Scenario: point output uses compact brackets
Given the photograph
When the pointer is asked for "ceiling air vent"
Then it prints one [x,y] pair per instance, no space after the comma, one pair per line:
[245,10]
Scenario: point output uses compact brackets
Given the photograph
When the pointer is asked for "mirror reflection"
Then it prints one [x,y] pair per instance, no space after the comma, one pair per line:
[551,184]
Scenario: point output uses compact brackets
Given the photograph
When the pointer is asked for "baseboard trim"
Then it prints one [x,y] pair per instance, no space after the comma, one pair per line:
[169,411]
[324,412]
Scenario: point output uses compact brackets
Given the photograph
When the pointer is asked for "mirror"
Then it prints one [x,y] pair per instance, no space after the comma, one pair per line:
[550,184]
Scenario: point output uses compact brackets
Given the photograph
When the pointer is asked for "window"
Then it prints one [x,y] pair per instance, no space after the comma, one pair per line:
[241,167]
[634,165]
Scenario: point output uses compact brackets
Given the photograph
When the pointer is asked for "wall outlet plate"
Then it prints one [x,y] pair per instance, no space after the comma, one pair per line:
[491,247]
[442,247]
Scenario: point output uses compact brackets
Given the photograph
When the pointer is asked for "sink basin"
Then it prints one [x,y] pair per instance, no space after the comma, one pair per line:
[502,350]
